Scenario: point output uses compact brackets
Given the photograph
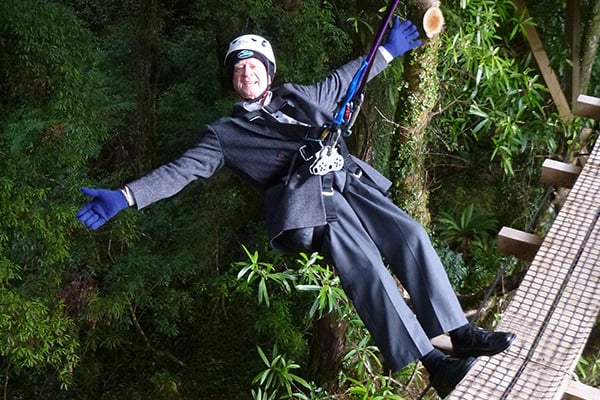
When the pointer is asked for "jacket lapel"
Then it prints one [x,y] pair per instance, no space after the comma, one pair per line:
[256,121]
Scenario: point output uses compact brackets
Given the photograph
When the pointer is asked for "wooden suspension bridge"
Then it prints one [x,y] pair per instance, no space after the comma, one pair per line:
[557,304]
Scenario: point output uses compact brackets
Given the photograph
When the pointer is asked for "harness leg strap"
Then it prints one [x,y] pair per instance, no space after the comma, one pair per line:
[327,184]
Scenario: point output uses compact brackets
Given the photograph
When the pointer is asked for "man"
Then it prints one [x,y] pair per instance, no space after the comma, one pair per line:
[326,201]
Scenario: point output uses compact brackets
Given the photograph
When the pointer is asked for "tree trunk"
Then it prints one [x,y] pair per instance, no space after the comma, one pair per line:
[589,45]
[327,348]
[146,118]
[417,99]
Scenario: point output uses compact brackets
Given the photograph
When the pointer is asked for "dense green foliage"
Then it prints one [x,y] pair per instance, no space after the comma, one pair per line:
[184,300]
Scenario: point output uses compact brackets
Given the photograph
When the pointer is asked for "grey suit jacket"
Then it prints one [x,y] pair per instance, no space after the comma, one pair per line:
[262,153]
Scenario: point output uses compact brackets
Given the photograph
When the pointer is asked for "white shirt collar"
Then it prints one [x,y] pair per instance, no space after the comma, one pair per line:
[257,105]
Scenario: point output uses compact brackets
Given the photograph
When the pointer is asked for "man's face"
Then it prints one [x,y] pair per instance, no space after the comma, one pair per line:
[250,78]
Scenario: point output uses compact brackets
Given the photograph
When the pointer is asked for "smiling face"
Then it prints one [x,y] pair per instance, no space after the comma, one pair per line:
[250,78]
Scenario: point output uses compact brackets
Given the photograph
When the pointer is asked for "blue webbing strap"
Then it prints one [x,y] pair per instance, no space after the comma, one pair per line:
[352,90]
[359,79]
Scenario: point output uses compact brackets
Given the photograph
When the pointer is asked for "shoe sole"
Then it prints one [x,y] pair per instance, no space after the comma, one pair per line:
[444,392]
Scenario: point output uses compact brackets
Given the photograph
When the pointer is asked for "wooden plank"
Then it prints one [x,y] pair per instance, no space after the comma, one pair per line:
[578,391]
[517,243]
[588,107]
[559,173]
[543,62]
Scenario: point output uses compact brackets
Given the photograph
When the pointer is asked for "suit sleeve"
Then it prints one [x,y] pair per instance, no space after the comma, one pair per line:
[201,161]
[330,92]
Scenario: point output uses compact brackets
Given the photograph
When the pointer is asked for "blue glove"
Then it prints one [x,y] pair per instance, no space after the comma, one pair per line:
[402,38]
[104,205]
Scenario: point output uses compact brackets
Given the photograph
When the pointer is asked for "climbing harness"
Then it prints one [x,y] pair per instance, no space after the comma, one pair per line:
[328,158]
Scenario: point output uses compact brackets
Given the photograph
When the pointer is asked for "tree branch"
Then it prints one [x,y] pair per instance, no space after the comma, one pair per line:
[138,327]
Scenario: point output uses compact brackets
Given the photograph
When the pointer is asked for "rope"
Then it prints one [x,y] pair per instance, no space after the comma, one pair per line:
[357,84]
[508,260]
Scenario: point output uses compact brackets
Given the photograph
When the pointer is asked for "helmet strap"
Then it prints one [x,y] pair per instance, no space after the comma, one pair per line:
[261,98]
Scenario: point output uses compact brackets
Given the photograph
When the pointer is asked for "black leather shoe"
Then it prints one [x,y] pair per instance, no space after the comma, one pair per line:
[478,342]
[448,372]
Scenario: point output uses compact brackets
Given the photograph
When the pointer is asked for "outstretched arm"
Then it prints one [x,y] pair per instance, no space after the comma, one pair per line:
[201,161]
[402,37]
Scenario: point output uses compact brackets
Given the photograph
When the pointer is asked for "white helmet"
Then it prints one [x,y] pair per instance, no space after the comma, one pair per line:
[247,46]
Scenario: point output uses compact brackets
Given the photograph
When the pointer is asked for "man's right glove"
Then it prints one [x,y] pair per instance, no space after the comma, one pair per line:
[104,205]
[402,38]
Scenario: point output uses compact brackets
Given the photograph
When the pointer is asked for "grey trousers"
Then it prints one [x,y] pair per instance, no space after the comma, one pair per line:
[368,232]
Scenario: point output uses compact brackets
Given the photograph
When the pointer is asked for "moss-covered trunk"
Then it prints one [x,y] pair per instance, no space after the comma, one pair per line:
[418,97]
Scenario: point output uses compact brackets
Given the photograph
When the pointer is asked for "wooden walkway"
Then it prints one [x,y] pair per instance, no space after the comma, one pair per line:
[554,309]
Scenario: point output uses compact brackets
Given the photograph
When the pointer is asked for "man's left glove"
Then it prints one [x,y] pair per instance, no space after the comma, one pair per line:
[402,38]
[104,205]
